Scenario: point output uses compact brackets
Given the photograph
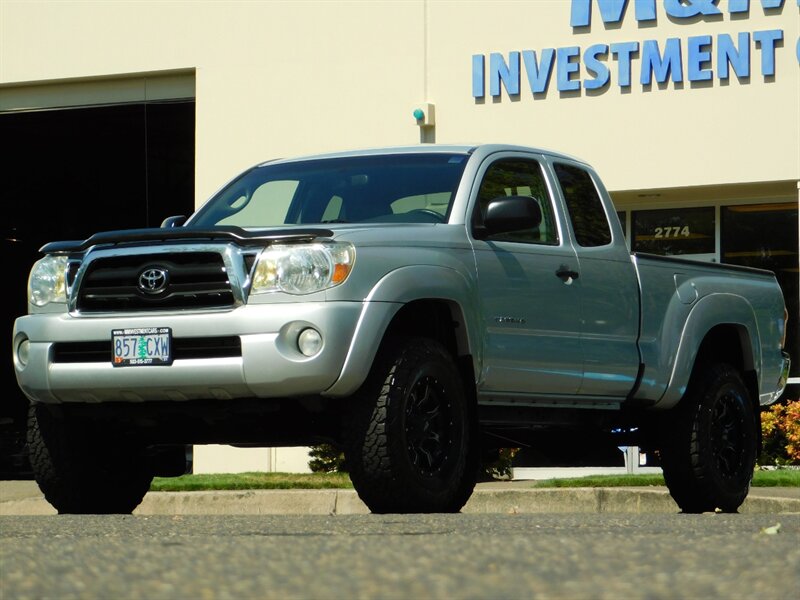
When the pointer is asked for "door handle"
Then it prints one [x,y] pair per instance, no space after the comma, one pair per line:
[566,274]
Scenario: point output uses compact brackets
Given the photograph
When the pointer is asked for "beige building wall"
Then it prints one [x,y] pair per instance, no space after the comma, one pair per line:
[273,79]
[215,458]
[284,78]
[668,136]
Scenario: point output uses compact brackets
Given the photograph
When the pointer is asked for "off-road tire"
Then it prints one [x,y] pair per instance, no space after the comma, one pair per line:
[710,443]
[82,468]
[411,443]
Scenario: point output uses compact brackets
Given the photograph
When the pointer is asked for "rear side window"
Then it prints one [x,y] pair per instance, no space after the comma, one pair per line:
[585,208]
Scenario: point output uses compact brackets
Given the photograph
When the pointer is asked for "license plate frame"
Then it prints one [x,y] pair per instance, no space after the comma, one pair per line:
[141,347]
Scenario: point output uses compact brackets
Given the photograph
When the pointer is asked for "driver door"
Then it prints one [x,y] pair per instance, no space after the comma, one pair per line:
[530,313]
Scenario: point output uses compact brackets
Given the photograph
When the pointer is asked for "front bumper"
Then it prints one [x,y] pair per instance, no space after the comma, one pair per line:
[270,365]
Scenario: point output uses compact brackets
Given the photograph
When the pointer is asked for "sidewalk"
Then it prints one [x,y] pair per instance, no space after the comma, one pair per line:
[504,497]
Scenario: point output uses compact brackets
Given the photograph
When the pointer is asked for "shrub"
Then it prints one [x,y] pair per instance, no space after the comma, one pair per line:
[326,458]
[500,467]
[780,429]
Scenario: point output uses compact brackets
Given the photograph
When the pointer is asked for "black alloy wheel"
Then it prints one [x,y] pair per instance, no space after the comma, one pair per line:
[427,426]
[728,435]
[411,441]
[710,442]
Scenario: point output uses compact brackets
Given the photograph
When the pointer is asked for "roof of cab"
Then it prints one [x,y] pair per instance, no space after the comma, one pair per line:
[426,148]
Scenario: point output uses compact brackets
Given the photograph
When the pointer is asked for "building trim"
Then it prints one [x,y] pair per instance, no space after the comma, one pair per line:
[93,91]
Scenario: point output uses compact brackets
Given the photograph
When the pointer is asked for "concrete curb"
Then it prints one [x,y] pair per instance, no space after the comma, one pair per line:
[346,502]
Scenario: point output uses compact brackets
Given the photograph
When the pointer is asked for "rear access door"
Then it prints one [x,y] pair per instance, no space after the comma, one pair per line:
[609,304]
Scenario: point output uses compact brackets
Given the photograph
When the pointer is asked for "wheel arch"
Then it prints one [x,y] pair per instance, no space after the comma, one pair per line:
[443,321]
[436,318]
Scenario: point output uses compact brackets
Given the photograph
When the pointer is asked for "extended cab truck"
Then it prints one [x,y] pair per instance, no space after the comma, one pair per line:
[416,306]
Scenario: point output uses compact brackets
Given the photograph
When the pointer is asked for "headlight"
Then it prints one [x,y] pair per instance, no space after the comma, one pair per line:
[47,282]
[302,268]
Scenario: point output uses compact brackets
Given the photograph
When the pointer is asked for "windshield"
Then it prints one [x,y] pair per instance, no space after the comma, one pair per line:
[396,188]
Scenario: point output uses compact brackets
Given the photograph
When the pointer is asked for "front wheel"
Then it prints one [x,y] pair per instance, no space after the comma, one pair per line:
[710,445]
[84,468]
[411,434]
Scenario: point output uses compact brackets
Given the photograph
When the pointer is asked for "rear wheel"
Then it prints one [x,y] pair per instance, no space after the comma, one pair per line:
[411,435]
[84,468]
[710,446]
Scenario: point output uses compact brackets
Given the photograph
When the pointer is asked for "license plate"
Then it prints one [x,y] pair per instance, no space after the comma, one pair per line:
[145,346]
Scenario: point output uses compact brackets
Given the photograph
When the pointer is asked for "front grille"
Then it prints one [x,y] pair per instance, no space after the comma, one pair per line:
[195,280]
[182,348]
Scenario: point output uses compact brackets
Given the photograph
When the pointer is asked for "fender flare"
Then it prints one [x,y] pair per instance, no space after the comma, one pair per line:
[709,312]
[394,290]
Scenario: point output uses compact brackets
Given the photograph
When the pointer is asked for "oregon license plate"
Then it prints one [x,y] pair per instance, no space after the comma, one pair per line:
[144,346]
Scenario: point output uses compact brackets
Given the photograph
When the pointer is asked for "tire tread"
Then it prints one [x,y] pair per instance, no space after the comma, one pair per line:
[372,453]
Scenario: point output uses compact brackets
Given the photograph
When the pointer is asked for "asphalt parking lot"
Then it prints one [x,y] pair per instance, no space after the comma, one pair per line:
[510,541]
[458,556]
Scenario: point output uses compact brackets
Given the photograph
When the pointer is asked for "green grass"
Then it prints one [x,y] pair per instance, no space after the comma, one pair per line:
[602,481]
[777,478]
[316,481]
[251,481]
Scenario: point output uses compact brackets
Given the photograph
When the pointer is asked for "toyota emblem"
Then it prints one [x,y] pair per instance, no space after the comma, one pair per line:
[153,280]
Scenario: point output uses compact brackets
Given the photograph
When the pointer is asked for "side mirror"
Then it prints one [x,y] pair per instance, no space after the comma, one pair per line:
[176,221]
[511,213]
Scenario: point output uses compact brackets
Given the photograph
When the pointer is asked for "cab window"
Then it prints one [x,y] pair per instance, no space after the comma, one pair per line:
[584,206]
[518,177]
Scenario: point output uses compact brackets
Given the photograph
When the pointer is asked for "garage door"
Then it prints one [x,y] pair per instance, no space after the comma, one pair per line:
[68,173]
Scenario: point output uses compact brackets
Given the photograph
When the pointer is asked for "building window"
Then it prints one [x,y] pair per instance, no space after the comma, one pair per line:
[674,231]
[765,236]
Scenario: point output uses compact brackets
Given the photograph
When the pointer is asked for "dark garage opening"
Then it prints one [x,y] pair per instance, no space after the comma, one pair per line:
[67,174]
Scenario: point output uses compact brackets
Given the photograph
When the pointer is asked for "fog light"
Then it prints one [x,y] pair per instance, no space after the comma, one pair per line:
[23,352]
[309,342]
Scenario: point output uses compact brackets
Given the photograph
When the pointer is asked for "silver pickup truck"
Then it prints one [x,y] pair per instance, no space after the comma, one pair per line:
[418,307]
